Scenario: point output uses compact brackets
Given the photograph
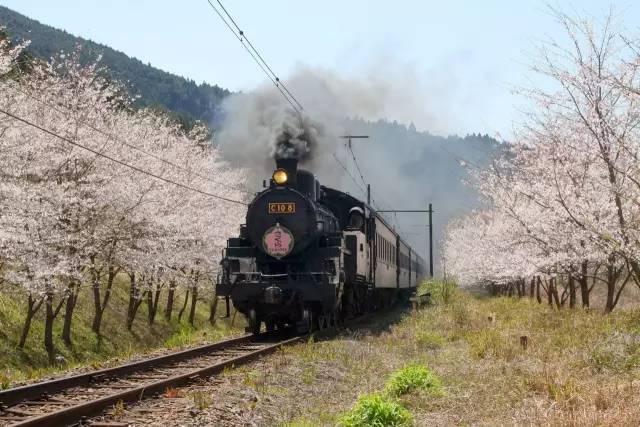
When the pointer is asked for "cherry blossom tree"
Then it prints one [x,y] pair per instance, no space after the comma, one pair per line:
[564,199]
[92,186]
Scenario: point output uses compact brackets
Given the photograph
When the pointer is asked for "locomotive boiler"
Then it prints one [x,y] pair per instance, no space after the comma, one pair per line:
[309,256]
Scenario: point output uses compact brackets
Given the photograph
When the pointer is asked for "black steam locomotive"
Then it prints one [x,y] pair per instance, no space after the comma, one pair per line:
[311,256]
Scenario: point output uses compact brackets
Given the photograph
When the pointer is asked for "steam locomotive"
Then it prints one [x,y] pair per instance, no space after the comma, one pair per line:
[310,256]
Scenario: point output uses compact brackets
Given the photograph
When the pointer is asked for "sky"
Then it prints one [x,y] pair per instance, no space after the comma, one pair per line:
[463,57]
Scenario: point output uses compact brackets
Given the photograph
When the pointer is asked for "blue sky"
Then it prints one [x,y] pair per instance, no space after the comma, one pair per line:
[466,55]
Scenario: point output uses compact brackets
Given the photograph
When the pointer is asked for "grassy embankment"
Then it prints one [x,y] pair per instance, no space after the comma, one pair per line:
[117,343]
[577,368]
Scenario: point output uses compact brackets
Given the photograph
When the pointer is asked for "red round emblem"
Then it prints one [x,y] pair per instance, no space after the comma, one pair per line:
[277,241]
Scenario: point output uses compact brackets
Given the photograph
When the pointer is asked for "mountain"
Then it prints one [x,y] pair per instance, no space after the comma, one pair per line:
[409,169]
[154,87]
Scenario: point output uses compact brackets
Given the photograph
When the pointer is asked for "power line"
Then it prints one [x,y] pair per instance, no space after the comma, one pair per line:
[244,36]
[120,162]
[115,138]
[353,156]
[348,173]
[257,58]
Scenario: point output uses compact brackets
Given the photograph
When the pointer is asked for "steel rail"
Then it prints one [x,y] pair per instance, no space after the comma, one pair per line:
[73,414]
[14,396]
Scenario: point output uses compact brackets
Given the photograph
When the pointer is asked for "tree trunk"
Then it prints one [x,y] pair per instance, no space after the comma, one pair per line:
[553,288]
[32,309]
[611,288]
[70,306]
[584,285]
[135,299]
[97,304]
[194,300]
[532,288]
[538,295]
[152,302]
[100,307]
[572,291]
[48,326]
[170,299]
[550,292]
[184,305]
[213,307]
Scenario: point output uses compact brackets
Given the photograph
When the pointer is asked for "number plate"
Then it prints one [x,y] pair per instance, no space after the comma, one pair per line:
[282,208]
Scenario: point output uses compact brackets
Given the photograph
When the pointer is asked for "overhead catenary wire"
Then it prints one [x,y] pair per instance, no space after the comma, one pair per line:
[353,156]
[355,181]
[117,139]
[264,66]
[244,36]
[118,161]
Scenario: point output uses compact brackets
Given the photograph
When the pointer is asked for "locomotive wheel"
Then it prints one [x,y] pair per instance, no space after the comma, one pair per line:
[270,324]
[323,322]
[254,323]
[306,322]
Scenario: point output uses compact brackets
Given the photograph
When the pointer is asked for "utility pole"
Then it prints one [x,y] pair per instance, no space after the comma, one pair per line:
[430,240]
[349,138]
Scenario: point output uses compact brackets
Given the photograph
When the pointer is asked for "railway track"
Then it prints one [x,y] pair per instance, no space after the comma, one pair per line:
[70,400]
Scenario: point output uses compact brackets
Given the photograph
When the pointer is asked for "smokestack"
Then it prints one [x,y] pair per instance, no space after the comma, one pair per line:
[290,165]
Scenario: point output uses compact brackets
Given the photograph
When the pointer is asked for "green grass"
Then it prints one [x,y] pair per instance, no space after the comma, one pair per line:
[117,342]
[579,367]
[376,410]
[413,377]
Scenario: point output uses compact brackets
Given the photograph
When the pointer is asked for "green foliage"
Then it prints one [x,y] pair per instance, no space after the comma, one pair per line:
[413,377]
[155,88]
[441,291]
[376,410]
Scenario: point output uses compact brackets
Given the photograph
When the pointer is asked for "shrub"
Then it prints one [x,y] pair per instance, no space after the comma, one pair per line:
[376,410]
[442,292]
[413,377]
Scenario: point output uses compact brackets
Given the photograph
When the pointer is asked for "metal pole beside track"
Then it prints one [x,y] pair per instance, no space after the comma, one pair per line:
[430,241]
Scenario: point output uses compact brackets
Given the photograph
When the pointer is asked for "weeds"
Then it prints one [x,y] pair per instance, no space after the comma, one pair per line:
[490,343]
[201,400]
[442,292]
[308,375]
[413,377]
[376,410]
[430,340]
[118,410]
[5,382]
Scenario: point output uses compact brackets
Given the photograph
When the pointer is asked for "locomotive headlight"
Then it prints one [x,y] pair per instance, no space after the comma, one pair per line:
[280,176]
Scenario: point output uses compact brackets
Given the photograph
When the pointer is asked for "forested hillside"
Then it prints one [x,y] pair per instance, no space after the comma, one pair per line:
[155,87]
